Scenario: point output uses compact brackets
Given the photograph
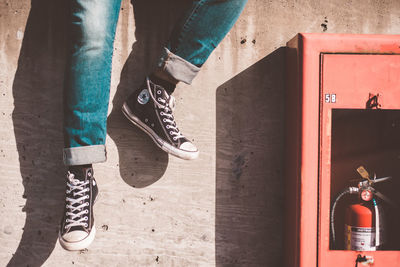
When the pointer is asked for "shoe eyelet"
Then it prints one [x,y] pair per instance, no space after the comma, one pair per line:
[174,138]
[87,203]
[167,126]
[87,196]
[86,225]
[86,211]
[159,99]
[170,132]
[164,120]
[152,125]
[146,120]
[86,218]
[159,92]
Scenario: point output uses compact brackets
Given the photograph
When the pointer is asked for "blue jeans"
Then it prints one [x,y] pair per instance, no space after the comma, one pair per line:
[88,71]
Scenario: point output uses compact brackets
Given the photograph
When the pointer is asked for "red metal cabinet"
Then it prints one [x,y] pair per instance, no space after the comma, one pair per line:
[331,130]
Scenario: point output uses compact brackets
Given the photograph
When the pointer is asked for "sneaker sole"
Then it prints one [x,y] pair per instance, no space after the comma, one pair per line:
[188,155]
[78,245]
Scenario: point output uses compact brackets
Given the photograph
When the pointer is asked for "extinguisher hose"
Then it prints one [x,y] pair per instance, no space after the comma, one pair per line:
[349,190]
[377,224]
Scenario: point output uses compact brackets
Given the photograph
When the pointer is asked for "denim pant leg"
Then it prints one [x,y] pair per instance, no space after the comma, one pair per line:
[87,79]
[196,35]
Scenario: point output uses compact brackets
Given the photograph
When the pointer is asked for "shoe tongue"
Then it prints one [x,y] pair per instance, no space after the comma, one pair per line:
[171,103]
[165,95]
[81,173]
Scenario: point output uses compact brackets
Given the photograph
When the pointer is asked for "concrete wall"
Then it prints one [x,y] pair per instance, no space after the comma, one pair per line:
[224,209]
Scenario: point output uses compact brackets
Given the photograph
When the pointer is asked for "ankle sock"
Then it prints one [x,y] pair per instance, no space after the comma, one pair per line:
[168,86]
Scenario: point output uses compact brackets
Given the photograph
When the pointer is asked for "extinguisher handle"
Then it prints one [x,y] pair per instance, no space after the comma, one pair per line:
[382,179]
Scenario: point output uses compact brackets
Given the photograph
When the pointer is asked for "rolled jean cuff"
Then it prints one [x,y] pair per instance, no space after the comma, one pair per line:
[177,67]
[84,155]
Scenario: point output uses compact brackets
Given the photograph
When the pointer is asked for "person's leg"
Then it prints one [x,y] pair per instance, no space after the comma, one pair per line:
[194,37]
[86,96]
[87,80]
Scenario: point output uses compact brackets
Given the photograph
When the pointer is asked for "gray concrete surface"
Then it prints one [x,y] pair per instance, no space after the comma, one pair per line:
[224,209]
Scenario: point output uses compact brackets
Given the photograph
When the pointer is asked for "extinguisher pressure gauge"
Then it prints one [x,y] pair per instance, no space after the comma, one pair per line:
[366,194]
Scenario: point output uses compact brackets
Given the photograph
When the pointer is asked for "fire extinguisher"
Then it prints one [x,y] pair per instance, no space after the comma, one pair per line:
[364,221]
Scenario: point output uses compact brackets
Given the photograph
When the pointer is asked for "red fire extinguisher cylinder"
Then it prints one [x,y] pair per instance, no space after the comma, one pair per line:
[359,227]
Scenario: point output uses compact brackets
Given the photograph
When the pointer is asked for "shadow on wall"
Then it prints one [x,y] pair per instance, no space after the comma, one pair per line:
[142,163]
[249,167]
[37,119]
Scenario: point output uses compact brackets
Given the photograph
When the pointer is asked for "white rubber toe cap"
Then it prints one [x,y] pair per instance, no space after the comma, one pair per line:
[77,240]
[188,147]
[75,236]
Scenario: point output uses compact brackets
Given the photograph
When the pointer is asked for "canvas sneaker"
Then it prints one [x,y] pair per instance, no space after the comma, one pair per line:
[77,229]
[150,108]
